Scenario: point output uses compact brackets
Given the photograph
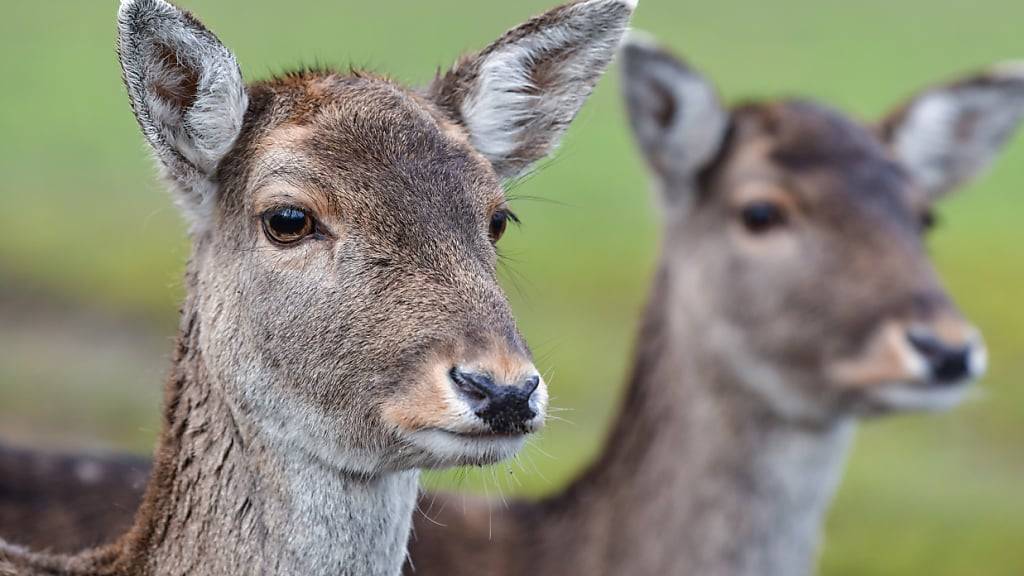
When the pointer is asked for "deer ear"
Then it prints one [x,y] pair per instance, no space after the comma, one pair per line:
[517,97]
[186,91]
[676,115]
[948,135]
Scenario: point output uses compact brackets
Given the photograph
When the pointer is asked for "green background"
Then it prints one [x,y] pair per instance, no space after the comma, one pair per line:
[93,248]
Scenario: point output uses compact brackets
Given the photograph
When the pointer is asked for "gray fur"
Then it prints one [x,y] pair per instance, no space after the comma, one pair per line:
[311,377]
[759,351]
[187,93]
[948,135]
[676,116]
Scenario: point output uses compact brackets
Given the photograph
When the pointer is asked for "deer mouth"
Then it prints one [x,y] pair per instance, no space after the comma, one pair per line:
[917,396]
[472,437]
[475,448]
[932,392]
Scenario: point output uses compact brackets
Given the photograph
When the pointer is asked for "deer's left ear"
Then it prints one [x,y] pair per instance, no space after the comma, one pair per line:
[948,135]
[517,97]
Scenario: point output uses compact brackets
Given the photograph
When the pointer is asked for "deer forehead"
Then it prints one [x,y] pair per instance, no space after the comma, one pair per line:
[345,142]
[815,157]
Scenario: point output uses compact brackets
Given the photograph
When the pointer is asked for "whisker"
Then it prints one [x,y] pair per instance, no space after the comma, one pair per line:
[560,419]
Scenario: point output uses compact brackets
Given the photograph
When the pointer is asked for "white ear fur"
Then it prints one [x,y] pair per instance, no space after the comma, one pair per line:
[517,97]
[676,115]
[950,134]
[186,91]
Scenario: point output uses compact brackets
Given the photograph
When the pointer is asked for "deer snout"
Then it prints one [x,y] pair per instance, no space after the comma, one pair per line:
[920,365]
[470,406]
[511,408]
[950,355]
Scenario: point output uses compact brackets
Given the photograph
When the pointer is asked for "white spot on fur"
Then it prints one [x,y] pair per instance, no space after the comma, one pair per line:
[977,361]
[539,403]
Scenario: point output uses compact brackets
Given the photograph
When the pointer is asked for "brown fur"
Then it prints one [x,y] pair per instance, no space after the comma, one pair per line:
[681,476]
[704,472]
[289,444]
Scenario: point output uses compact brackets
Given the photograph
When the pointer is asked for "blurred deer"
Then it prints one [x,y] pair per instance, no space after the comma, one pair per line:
[793,297]
[343,325]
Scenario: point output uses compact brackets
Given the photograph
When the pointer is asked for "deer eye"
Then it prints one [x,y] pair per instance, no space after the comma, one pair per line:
[499,222]
[761,217]
[287,225]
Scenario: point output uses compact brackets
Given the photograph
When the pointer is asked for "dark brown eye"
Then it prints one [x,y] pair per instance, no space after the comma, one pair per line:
[499,222]
[287,225]
[762,217]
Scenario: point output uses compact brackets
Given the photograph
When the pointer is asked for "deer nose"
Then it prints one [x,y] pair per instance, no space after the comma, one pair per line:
[947,363]
[507,409]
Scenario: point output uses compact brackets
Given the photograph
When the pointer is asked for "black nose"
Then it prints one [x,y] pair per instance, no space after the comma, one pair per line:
[506,409]
[948,364]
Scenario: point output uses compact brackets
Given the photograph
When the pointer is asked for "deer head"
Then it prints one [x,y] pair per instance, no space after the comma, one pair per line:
[344,231]
[795,239]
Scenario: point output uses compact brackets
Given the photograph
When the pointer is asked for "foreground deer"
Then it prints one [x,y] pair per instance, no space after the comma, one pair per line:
[793,296]
[343,325]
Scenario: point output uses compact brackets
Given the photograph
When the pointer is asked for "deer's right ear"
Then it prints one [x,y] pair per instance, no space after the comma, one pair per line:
[517,97]
[186,91]
[676,115]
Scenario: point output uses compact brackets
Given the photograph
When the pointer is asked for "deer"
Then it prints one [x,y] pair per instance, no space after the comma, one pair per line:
[343,326]
[793,298]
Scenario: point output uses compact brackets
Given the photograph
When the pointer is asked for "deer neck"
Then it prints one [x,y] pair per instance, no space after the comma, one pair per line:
[698,477]
[223,499]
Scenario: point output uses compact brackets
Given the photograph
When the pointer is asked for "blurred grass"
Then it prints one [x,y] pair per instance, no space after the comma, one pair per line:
[84,219]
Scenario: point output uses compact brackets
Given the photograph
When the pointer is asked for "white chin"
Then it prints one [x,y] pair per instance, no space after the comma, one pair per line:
[909,397]
[446,449]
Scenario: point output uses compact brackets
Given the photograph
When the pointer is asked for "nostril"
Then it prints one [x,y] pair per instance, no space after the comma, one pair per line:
[953,366]
[531,384]
[505,409]
[926,344]
[508,413]
[475,387]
